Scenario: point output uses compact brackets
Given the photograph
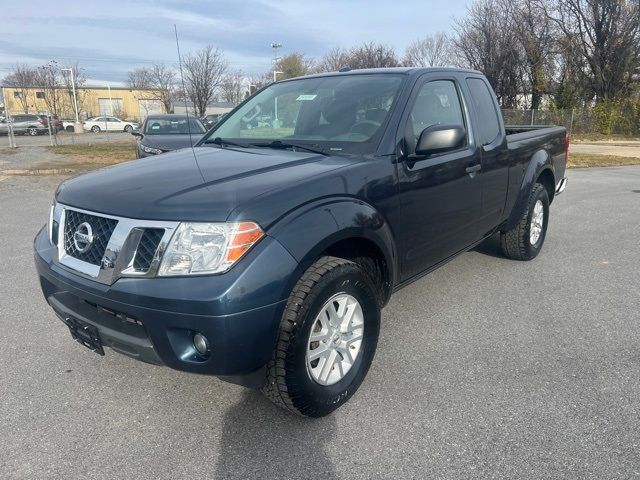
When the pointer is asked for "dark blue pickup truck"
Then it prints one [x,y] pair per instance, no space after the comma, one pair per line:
[265,254]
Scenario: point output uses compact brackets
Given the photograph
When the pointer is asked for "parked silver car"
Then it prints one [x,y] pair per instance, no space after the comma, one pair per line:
[25,124]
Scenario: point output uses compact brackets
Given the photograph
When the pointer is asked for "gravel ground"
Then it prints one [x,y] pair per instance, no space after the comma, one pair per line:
[486,368]
[32,152]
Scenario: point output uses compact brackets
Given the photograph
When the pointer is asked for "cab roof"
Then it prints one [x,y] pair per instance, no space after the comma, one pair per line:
[390,70]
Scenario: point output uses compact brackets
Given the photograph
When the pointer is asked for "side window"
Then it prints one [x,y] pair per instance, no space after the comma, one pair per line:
[437,103]
[489,125]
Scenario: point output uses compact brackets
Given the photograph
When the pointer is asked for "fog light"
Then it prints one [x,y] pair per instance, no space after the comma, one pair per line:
[201,344]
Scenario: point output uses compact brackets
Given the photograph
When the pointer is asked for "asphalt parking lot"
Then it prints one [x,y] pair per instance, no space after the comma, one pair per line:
[486,368]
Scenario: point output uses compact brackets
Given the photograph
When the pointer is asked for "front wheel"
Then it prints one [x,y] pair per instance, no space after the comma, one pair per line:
[525,240]
[128,128]
[327,339]
[32,131]
[95,129]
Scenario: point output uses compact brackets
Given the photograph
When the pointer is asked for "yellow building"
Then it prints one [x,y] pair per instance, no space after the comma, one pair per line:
[122,102]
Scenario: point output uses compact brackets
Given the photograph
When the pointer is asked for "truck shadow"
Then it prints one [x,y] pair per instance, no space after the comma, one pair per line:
[259,440]
[490,247]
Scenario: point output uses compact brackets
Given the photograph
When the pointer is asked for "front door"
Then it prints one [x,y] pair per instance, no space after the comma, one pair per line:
[440,195]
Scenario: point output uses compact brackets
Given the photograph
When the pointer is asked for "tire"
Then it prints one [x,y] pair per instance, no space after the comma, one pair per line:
[95,129]
[128,128]
[521,242]
[32,131]
[69,128]
[294,382]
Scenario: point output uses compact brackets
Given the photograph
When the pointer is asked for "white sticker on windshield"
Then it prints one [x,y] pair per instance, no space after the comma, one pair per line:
[306,98]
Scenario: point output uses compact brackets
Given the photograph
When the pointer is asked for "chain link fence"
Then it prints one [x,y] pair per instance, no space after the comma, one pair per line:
[582,121]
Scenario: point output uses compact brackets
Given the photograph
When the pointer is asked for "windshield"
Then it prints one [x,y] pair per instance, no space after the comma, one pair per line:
[172,126]
[343,112]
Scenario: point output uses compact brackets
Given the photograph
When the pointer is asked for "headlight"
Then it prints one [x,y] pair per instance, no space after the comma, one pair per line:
[54,223]
[146,149]
[205,248]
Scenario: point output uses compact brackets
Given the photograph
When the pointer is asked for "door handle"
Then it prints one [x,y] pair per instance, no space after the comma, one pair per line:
[473,169]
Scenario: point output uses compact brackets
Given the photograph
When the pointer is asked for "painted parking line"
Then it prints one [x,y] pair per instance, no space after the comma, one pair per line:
[2,178]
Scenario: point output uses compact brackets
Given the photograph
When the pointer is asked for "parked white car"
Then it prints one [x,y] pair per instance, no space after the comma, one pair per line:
[109,124]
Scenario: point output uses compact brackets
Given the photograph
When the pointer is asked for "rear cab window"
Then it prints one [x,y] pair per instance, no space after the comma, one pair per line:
[488,120]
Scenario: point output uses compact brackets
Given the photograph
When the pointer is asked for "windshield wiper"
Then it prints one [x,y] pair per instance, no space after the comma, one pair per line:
[224,142]
[278,144]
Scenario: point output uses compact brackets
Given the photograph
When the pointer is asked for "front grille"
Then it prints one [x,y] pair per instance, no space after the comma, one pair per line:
[102,228]
[147,248]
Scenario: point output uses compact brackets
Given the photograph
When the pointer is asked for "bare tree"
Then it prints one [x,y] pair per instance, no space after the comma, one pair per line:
[535,34]
[372,55]
[139,78]
[294,65]
[606,35]
[333,60]
[20,79]
[232,87]
[485,42]
[159,80]
[49,79]
[431,51]
[162,84]
[203,72]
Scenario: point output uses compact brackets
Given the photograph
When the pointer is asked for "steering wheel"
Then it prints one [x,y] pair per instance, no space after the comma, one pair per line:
[365,127]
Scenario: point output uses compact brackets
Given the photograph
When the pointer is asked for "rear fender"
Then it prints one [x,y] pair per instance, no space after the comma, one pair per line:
[540,161]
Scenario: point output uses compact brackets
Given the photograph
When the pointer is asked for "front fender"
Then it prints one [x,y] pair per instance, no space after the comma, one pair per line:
[540,161]
[310,230]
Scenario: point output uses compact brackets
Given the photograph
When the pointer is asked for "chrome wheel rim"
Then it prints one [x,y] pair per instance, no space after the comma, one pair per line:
[537,221]
[335,339]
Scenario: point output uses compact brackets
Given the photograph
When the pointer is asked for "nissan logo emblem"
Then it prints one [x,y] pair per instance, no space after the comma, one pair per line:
[83,237]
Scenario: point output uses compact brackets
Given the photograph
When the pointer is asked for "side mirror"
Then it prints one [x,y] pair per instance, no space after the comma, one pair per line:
[440,138]
[137,133]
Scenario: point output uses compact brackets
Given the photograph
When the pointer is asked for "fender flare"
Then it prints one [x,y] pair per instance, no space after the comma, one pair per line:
[540,161]
[311,229]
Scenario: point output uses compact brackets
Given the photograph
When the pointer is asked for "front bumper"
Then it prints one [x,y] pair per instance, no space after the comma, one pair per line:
[154,319]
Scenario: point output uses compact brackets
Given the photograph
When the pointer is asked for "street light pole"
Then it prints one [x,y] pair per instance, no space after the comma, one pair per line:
[275,46]
[77,127]
[73,89]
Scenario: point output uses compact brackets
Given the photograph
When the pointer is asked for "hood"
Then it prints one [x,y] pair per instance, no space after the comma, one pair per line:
[203,184]
[170,142]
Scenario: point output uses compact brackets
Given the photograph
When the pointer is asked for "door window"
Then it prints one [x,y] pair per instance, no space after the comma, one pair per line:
[489,125]
[437,103]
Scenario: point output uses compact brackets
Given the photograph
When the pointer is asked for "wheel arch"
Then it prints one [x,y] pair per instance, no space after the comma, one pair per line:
[540,169]
[344,228]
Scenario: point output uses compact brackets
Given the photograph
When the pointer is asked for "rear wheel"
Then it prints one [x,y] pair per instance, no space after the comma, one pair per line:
[327,339]
[69,128]
[95,129]
[525,240]
[128,128]
[32,131]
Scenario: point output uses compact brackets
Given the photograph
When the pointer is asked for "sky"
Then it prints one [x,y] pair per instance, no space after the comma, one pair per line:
[110,38]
